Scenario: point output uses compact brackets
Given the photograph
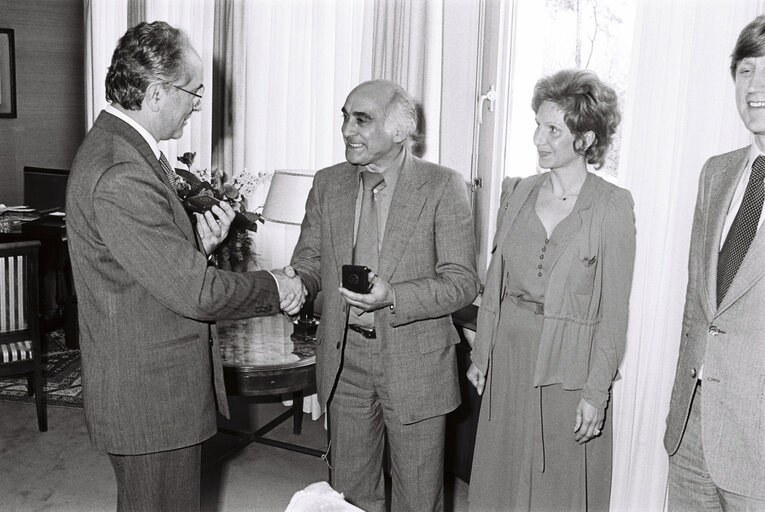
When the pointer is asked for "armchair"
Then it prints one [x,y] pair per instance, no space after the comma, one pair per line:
[20,347]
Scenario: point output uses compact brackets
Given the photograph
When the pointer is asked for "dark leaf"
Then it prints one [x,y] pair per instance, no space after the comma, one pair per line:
[187,158]
[190,177]
[247,220]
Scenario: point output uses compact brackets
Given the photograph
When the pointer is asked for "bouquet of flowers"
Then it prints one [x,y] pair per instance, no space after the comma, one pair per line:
[237,250]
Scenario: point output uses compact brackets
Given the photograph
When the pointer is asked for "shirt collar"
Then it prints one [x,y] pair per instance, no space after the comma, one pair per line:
[140,129]
[390,173]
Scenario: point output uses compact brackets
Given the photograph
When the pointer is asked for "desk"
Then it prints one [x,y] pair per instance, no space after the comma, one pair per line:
[55,267]
[260,359]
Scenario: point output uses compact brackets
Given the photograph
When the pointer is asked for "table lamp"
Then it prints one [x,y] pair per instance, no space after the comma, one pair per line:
[285,204]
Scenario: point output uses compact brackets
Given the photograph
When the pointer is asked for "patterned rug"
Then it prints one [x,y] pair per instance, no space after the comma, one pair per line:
[61,373]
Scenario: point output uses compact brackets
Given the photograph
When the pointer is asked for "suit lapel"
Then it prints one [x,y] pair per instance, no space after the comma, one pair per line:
[341,196]
[720,187]
[405,209]
[116,125]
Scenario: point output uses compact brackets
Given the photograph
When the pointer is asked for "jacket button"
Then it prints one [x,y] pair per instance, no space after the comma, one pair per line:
[338,345]
[713,330]
[211,341]
[693,373]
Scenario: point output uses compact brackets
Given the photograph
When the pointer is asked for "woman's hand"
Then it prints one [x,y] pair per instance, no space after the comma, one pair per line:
[213,226]
[477,378]
[589,421]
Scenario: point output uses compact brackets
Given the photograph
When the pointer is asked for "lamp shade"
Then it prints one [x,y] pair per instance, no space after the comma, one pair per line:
[287,195]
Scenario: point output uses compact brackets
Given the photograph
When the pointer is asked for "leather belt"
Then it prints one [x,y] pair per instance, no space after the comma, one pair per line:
[536,307]
[364,331]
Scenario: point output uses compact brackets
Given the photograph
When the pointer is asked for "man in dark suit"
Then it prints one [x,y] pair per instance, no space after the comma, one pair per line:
[388,365]
[716,425]
[147,298]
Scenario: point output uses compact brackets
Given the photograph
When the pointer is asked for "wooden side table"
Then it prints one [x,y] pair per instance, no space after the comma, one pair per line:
[260,359]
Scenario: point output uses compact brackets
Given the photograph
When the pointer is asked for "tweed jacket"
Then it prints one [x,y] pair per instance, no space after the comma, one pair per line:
[151,366]
[586,301]
[729,341]
[428,257]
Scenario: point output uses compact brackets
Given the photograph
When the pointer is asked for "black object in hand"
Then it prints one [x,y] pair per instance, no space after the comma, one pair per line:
[199,204]
[356,278]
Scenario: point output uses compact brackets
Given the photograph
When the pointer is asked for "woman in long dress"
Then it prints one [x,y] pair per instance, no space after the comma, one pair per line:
[553,316]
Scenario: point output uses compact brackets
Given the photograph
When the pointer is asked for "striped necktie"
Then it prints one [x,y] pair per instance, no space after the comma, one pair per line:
[175,181]
[742,230]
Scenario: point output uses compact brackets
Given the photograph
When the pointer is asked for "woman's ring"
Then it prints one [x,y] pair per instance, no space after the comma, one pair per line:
[597,432]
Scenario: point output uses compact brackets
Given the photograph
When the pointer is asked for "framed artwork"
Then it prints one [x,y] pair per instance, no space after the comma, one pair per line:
[7,74]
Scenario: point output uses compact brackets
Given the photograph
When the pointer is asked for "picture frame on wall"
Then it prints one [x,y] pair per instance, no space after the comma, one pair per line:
[7,74]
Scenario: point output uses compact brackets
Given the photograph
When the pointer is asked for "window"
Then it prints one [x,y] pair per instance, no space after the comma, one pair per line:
[524,40]
[560,34]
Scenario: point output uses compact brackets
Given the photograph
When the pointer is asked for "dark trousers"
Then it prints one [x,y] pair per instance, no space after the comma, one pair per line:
[164,481]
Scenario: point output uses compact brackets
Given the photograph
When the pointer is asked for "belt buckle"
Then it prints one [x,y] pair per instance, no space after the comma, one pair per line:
[369,334]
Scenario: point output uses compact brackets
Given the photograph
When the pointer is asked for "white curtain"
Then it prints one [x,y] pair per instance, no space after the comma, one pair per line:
[195,18]
[407,50]
[105,22]
[288,68]
[680,110]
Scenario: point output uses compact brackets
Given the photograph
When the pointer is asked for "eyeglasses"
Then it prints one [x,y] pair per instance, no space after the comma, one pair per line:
[198,101]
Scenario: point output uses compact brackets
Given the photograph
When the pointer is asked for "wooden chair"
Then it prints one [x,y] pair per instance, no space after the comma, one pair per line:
[20,348]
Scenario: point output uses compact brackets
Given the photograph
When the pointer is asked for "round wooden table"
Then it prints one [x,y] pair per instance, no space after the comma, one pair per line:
[260,359]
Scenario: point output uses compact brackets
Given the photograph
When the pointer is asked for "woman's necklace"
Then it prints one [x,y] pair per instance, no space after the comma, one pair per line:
[565,195]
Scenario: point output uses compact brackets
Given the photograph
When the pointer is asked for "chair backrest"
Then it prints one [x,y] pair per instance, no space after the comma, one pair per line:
[19,299]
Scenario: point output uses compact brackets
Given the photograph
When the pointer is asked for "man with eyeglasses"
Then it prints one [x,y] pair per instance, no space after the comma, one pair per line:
[151,367]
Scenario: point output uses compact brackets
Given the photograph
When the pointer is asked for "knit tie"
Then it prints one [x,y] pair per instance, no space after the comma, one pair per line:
[742,230]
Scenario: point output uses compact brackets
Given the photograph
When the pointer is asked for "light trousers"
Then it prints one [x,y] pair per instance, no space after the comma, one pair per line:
[691,489]
[360,417]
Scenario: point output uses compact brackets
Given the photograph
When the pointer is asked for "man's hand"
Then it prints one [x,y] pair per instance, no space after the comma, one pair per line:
[380,296]
[213,225]
[292,291]
[476,378]
[589,421]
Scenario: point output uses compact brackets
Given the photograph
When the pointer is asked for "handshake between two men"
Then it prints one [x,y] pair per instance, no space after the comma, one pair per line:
[213,226]
[292,291]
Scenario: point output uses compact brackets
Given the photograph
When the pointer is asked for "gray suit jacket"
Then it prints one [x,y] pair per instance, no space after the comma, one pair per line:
[729,341]
[427,255]
[151,368]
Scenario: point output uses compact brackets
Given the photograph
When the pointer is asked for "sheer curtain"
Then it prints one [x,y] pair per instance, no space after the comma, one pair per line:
[195,17]
[680,110]
[286,69]
[105,22]
[407,50]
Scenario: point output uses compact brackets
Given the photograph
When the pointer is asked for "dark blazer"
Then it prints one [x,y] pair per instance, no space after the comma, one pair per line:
[728,340]
[427,255]
[151,368]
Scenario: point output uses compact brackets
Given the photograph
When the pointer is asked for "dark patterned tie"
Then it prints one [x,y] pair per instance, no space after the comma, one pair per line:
[169,172]
[366,251]
[742,230]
